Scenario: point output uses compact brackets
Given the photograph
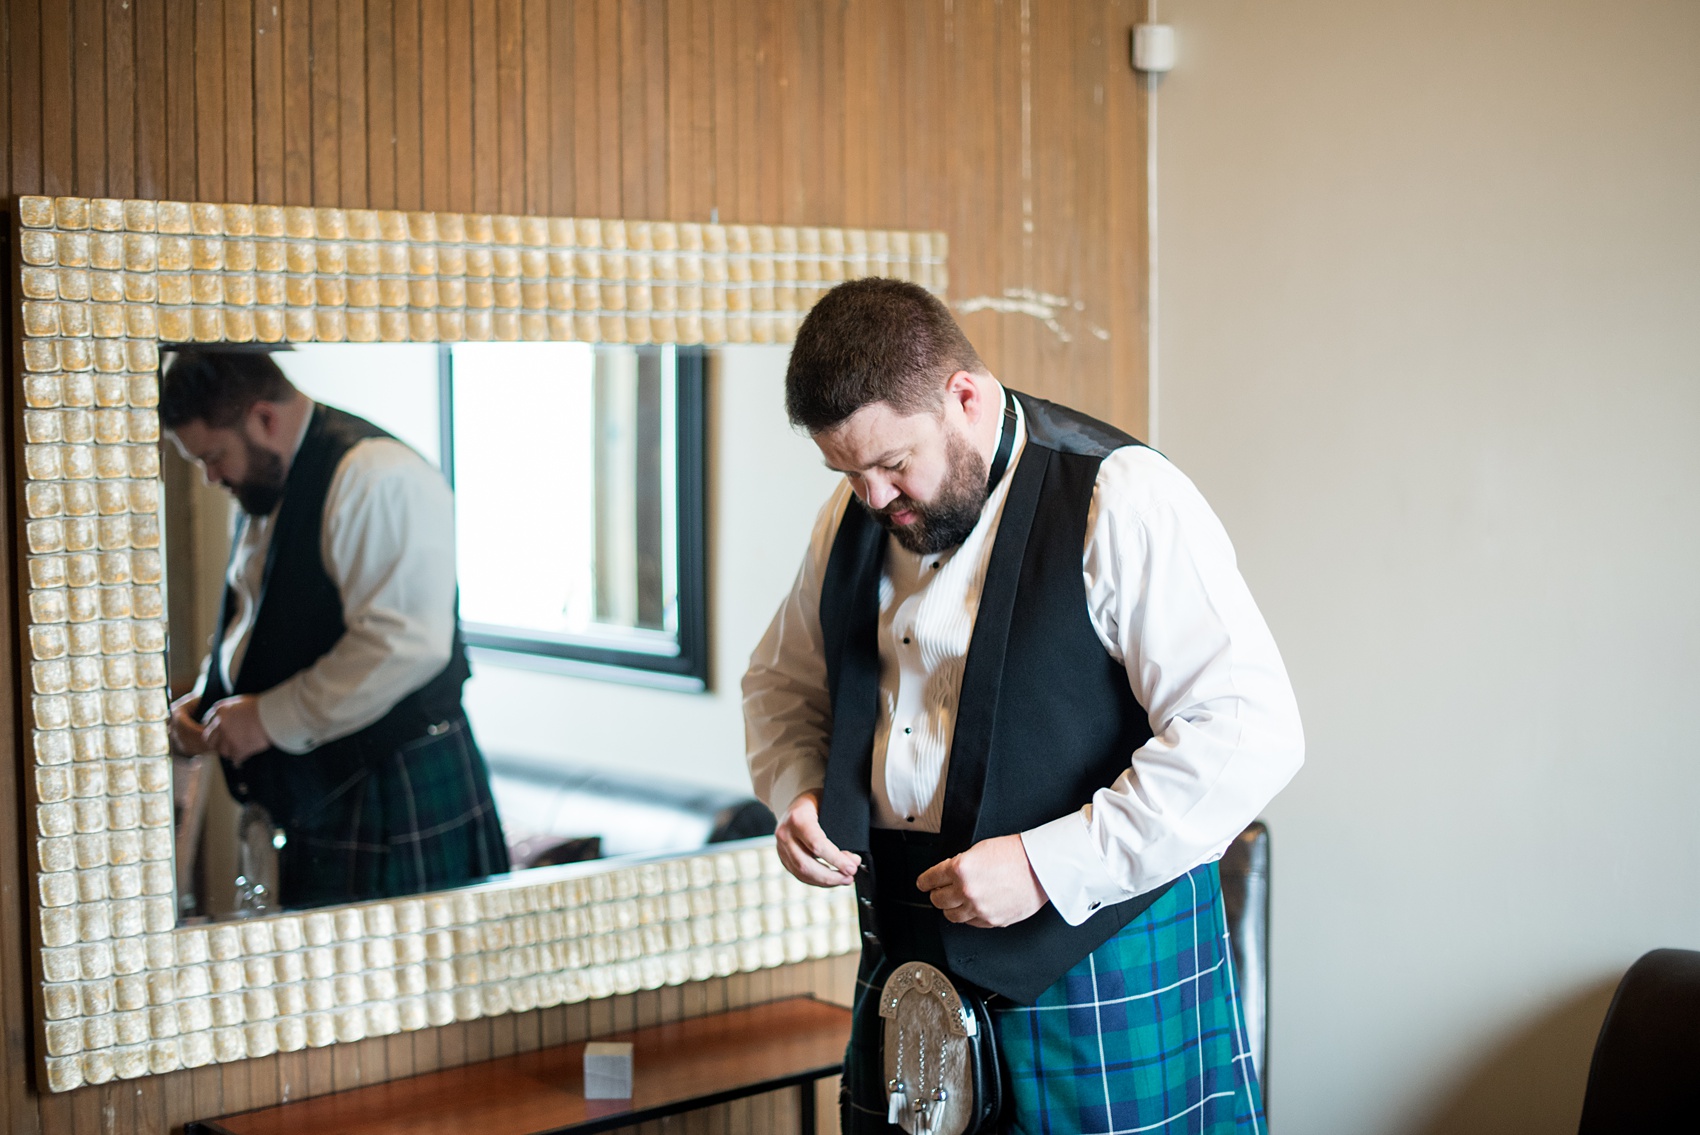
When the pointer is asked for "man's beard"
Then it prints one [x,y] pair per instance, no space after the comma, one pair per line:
[260,491]
[946,520]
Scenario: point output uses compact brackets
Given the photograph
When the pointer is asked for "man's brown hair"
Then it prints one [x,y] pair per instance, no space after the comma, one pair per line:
[873,340]
[217,387]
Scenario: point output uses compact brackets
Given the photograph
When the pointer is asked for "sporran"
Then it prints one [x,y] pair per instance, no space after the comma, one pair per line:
[940,1057]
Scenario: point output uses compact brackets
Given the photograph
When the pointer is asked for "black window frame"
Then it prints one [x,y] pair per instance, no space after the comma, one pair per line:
[689,668]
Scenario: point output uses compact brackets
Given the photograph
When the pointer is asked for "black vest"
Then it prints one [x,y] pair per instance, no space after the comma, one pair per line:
[1045,716]
[299,619]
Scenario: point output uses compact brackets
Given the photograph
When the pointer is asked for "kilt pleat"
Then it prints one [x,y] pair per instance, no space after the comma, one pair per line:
[421,819]
[1143,1035]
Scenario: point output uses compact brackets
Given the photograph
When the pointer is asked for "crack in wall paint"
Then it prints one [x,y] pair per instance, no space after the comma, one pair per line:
[1043,306]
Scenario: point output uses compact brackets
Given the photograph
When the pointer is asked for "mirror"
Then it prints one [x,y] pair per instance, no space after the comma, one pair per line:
[579,489]
[103,283]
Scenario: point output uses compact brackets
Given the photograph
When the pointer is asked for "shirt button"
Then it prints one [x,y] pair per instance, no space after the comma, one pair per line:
[1095,906]
[906,640]
[911,819]
[907,730]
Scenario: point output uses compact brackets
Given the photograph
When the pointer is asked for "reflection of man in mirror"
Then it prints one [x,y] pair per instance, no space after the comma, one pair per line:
[1021,697]
[332,690]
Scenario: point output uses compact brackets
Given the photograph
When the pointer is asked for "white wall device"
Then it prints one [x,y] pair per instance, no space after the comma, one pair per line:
[1154,48]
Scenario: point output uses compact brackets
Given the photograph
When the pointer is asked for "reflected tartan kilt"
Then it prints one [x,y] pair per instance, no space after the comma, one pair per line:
[419,819]
[1145,1034]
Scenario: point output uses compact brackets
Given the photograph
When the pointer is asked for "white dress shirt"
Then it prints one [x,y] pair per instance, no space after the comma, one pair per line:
[387,542]
[1167,601]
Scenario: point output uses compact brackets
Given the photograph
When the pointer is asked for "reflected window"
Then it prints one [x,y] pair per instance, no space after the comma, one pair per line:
[578,473]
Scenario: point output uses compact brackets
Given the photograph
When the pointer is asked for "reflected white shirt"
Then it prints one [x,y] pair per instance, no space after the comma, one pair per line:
[1167,601]
[387,542]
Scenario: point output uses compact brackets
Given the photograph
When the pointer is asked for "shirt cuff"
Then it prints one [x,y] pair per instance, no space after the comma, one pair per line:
[1066,860]
[281,718]
[792,783]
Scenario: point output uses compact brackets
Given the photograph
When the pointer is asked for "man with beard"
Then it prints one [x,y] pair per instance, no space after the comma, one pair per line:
[1020,697]
[332,690]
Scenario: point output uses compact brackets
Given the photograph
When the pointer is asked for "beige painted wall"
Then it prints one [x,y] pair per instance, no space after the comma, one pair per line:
[1430,342]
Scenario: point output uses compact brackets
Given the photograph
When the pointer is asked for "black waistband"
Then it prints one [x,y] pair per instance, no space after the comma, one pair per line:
[903,918]
[899,858]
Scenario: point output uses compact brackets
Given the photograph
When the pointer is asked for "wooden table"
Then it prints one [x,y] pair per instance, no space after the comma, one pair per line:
[676,1068]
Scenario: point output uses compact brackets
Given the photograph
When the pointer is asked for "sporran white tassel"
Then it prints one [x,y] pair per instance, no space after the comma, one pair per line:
[896,1103]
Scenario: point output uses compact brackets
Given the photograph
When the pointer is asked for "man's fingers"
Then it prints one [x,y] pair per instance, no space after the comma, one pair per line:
[806,868]
[947,897]
[833,859]
[799,859]
[938,875]
[943,887]
[844,862]
[807,853]
[212,736]
[186,731]
[814,843]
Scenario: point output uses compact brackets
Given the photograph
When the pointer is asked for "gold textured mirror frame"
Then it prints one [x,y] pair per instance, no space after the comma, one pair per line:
[123,991]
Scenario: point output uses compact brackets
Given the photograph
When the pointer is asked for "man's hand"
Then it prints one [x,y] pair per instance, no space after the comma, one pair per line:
[233,728]
[990,884]
[186,732]
[805,850]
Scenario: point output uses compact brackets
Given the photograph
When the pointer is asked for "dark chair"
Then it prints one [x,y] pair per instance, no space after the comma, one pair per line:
[1646,1071]
[1245,894]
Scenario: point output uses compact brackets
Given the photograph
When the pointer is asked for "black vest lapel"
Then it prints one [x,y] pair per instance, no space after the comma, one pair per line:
[850,635]
[300,620]
[982,675]
[215,688]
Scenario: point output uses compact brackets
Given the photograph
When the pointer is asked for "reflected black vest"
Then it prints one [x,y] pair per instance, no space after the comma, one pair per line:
[299,619]
[1045,715]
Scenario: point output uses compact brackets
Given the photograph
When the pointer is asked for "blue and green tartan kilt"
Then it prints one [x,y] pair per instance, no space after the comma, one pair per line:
[420,818]
[1145,1034]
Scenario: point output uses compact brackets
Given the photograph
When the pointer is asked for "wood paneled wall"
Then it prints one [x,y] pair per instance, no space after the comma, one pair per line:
[1016,126]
